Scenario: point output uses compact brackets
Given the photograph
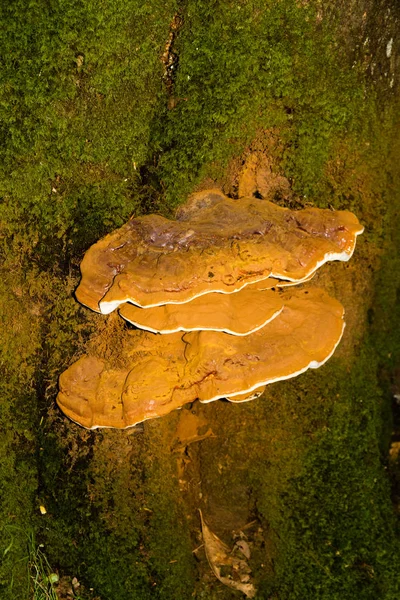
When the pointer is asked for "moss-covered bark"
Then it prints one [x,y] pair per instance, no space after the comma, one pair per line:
[90,134]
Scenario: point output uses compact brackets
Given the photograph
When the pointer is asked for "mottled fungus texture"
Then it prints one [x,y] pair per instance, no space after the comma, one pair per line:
[216,244]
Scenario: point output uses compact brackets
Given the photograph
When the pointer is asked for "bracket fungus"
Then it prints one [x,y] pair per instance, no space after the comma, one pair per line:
[216,283]
[163,373]
[239,314]
[216,245]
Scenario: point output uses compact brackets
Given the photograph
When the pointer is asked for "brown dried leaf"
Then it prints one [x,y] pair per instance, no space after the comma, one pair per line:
[231,571]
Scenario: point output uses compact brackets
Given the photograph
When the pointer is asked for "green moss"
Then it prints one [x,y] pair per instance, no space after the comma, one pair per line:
[86,140]
[18,419]
[167,535]
[247,66]
[114,514]
[337,531]
[81,89]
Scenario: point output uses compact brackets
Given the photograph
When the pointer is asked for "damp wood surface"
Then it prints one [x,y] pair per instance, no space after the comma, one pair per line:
[123,112]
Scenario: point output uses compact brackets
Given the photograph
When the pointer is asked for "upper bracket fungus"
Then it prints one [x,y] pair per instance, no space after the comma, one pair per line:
[217,283]
[216,245]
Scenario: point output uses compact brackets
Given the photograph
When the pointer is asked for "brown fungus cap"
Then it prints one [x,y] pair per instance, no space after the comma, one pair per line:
[216,245]
[238,314]
[165,372]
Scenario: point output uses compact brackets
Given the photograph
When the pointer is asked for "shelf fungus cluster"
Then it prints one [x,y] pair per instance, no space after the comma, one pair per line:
[212,295]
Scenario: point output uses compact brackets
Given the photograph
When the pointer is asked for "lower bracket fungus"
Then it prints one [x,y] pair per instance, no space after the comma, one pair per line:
[164,372]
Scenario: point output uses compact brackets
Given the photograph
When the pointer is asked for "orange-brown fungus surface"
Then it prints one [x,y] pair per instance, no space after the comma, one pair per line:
[164,372]
[216,244]
[239,314]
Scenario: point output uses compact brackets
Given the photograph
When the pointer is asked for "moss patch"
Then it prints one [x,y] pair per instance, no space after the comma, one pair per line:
[88,138]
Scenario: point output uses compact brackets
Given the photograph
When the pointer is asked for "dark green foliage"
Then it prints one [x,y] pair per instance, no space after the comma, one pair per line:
[339,537]
[116,519]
